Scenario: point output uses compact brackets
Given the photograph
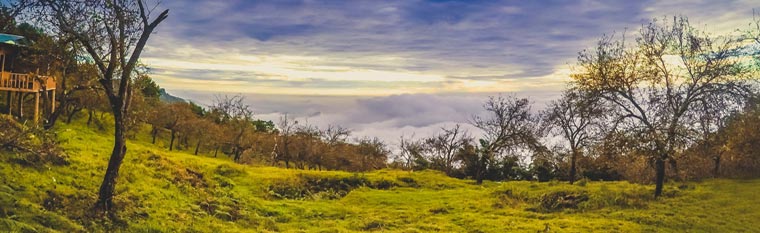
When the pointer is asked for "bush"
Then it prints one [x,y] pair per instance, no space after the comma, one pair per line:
[560,200]
[229,171]
[319,187]
[409,181]
[311,187]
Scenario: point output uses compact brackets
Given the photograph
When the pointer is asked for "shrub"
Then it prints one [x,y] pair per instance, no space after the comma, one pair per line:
[319,187]
[409,181]
[228,171]
[560,200]
[35,146]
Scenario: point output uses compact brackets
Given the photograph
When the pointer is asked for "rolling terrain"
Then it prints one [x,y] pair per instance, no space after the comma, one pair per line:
[162,191]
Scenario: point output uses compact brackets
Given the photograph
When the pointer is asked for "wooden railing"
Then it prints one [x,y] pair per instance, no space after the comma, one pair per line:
[25,82]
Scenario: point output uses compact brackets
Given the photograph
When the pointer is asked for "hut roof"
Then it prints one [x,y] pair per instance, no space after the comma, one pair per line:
[11,39]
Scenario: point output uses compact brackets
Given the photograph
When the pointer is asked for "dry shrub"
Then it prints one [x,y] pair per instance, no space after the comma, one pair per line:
[33,146]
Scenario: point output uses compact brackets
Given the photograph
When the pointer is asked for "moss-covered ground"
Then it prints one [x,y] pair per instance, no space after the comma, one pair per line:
[162,191]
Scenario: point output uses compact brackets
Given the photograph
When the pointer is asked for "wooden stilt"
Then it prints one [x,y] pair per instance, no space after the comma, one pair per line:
[20,106]
[9,102]
[36,108]
[52,102]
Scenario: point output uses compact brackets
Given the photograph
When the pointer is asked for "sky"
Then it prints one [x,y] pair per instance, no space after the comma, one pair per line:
[393,68]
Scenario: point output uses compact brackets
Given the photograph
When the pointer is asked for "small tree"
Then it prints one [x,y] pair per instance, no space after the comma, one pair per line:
[573,117]
[372,153]
[177,117]
[287,127]
[333,137]
[410,154]
[507,128]
[442,148]
[236,117]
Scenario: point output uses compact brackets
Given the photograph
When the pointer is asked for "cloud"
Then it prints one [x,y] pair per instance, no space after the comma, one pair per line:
[387,68]
[416,41]
[386,117]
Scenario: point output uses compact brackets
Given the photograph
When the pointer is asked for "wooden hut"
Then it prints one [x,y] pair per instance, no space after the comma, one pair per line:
[19,86]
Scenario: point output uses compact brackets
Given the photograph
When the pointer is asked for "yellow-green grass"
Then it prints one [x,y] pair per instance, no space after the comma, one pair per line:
[162,191]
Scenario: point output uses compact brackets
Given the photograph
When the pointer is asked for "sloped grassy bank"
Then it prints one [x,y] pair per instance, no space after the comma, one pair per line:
[161,191]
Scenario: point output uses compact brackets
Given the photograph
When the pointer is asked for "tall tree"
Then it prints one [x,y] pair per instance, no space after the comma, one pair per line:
[112,34]
[654,85]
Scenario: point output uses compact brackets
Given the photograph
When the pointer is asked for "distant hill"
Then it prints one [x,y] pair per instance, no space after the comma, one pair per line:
[168,98]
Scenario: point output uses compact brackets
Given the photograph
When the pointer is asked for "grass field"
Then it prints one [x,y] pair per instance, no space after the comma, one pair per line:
[162,191]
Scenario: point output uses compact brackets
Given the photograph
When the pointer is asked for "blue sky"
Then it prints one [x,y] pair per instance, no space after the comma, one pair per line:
[387,61]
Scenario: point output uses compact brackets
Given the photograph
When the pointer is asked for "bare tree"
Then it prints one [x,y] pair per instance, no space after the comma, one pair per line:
[335,134]
[573,118]
[442,148]
[508,127]
[236,117]
[410,153]
[307,145]
[113,34]
[287,127]
[654,85]
[333,137]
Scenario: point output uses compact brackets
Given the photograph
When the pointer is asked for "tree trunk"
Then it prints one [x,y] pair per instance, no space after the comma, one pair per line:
[153,133]
[659,166]
[716,169]
[573,157]
[216,150]
[238,152]
[197,146]
[171,143]
[71,114]
[105,196]
[55,114]
[89,117]
[45,112]
[20,106]
[480,171]
[674,166]
[61,106]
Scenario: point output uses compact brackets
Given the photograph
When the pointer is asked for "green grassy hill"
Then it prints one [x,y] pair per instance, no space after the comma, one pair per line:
[161,191]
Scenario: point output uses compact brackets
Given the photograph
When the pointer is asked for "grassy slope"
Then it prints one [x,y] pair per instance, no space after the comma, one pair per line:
[176,191]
